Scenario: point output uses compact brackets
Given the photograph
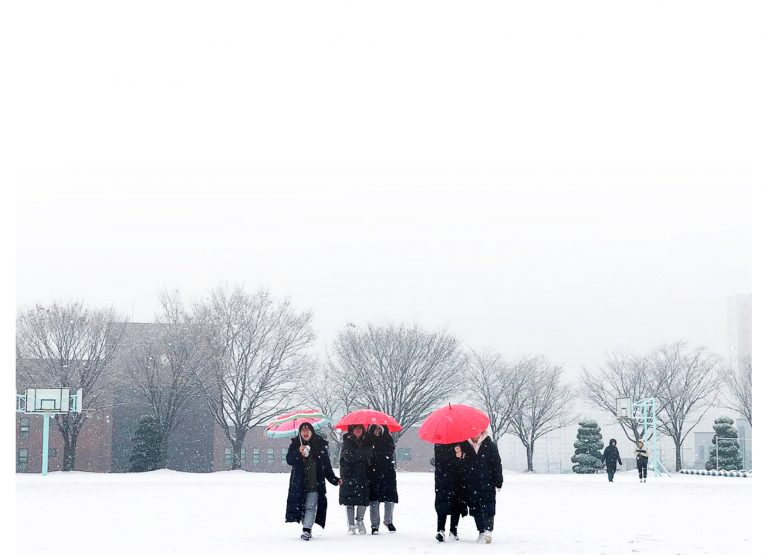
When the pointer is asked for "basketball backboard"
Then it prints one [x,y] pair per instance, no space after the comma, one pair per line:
[47,400]
[624,408]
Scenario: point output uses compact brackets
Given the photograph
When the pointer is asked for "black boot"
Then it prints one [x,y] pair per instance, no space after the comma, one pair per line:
[391,527]
[440,536]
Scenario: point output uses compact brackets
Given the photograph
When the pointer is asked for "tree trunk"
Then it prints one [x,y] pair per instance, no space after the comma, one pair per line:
[70,450]
[678,456]
[529,455]
[237,445]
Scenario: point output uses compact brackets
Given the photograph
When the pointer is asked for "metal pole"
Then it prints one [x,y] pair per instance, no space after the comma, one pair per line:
[717,454]
[45,445]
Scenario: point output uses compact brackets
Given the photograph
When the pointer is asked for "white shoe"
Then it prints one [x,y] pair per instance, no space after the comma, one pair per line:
[454,537]
[352,530]
[361,528]
[488,537]
[480,537]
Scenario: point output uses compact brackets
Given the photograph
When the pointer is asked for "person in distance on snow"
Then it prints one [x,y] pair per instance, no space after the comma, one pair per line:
[450,489]
[641,454]
[354,491]
[310,468]
[382,477]
[610,457]
[484,478]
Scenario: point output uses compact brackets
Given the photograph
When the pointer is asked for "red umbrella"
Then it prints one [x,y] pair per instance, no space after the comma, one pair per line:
[453,424]
[366,417]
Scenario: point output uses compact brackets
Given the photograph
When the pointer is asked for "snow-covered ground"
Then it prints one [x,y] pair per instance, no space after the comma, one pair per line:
[237,512]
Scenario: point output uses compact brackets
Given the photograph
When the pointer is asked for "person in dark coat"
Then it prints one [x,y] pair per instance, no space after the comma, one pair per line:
[382,477]
[450,494]
[641,456]
[484,478]
[610,458]
[354,491]
[310,468]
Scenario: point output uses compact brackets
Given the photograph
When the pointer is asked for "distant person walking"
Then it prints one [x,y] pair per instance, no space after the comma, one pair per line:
[450,488]
[641,454]
[310,468]
[354,492]
[610,458]
[382,476]
[484,479]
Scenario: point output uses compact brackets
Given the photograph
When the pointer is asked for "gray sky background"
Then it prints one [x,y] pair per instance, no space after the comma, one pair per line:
[565,270]
[538,178]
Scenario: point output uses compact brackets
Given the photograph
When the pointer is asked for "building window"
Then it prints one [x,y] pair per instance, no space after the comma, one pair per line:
[22,460]
[52,453]
[228,456]
[256,457]
[24,428]
[270,456]
[404,454]
[701,452]
[283,455]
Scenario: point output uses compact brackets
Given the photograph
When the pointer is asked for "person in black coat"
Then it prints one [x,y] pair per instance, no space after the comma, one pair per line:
[310,468]
[484,478]
[450,494]
[354,491]
[382,477]
[610,458]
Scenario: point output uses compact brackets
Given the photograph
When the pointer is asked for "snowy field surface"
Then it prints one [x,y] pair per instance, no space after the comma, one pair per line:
[166,512]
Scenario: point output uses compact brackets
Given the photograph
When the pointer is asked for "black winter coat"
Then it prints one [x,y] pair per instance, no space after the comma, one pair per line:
[611,457]
[355,458]
[318,450]
[382,474]
[450,486]
[483,474]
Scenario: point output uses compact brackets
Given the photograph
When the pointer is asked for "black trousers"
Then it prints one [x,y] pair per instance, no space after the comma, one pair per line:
[642,467]
[611,472]
[441,518]
[484,517]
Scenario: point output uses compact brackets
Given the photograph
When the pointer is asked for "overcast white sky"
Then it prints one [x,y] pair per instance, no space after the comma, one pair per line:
[539,179]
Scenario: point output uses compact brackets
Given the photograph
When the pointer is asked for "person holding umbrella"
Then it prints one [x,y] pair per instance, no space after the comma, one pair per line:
[484,479]
[354,491]
[449,488]
[382,477]
[310,468]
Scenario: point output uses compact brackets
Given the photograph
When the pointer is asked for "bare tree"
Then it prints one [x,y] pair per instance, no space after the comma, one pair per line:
[622,375]
[258,359]
[687,386]
[496,386]
[739,383]
[72,346]
[545,404]
[167,368]
[331,395]
[402,370]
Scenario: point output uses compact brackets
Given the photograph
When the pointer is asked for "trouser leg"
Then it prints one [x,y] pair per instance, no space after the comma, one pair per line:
[610,474]
[389,512]
[350,515]
[479,520]
[360,513]
[310,509]
[375,517]
[455,522]
[640,469]
[441,521]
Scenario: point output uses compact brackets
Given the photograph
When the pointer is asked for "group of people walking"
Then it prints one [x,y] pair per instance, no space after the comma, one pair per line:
[368,478]
[467,477]
[611,457]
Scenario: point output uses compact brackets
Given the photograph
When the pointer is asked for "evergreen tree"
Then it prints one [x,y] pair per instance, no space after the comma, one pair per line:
[726,449]
[147,449]
[589,447]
